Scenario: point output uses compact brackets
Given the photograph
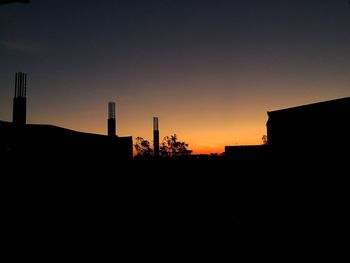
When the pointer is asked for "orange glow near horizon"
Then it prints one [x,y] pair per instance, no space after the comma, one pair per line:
[206,127]
[209,71]
[204,136]
[207,112]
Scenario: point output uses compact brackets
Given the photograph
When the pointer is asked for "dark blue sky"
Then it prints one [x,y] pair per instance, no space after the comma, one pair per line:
[209,69]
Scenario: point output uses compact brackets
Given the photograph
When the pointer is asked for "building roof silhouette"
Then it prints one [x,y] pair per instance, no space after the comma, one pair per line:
[313,107]
[45,140]
[317,129]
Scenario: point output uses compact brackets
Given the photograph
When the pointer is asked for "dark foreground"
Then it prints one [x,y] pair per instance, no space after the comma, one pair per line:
[161,201]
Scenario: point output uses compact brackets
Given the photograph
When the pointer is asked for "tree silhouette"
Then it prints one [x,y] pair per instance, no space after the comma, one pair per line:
[171,147]
[264,139]
[143,148]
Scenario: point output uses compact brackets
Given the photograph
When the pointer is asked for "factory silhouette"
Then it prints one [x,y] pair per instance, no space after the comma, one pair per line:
[303,133]
[38,141]
[77,188]
[287,184]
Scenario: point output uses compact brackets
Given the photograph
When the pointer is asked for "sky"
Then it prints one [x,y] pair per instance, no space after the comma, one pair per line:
[210,70]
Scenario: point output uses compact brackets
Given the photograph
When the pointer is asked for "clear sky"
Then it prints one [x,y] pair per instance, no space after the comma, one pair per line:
[209,69]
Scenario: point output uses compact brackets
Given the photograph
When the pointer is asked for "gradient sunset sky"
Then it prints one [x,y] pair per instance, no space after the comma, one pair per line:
[209,69]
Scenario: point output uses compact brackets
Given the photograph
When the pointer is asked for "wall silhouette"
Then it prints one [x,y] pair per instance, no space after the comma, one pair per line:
[44,141]
[313,130]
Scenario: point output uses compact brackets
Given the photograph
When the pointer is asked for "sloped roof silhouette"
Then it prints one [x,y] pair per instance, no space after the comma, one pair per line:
[313,107]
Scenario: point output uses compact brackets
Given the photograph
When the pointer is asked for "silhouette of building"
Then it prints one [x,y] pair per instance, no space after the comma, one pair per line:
[156,136]
[111,120]
[313,131]
[46,140]
[20,100]
[18,139]
[321,128]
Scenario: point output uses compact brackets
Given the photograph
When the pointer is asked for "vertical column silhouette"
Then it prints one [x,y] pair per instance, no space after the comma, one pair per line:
[111,120]
[20,100]
[155,137]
